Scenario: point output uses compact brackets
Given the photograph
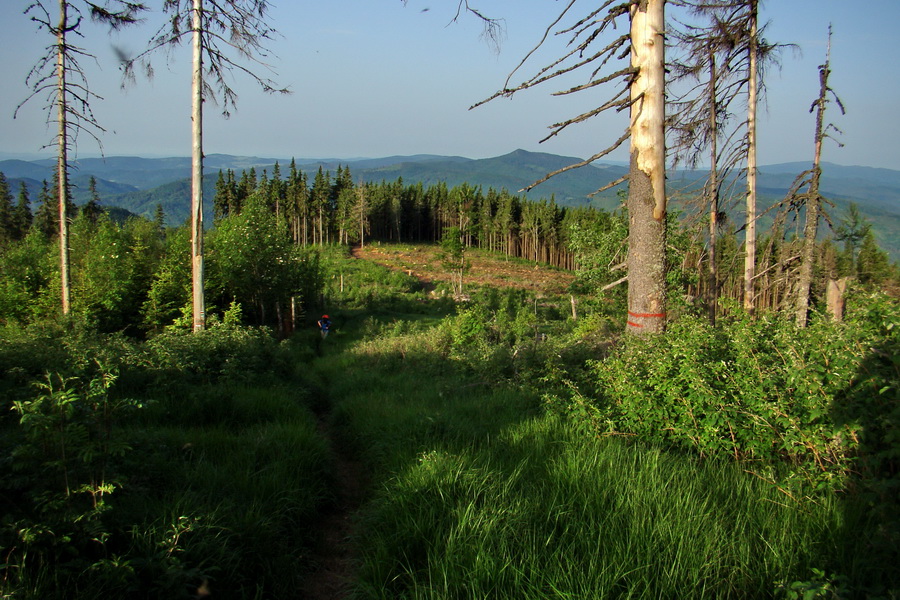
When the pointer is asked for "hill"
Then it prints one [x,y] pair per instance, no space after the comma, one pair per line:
[139,184]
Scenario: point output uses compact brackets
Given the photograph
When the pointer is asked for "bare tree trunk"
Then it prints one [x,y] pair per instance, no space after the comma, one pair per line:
[197,171]
[835,298]
[810,230]
[713,190]
[647,193]
[750,229]
[62,158]
[361,195]
[813,199]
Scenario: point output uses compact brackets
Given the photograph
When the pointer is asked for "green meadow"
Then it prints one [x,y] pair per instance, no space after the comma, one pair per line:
[500,449]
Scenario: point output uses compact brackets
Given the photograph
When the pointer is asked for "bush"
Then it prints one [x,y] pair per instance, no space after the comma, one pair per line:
[220,352]
[760,390]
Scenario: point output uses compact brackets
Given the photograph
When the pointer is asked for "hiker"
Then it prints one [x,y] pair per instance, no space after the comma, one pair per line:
[324,326]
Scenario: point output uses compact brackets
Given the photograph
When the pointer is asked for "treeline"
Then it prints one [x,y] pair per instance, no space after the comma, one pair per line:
[326,209]
[135,275]
[333,209]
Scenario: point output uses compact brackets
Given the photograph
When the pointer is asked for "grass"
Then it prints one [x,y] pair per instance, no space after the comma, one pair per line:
[232,481]
[218,483]
[475,489]
[479,493]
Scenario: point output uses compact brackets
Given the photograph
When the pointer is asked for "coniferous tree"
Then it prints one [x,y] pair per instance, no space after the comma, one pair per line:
[46,217]
[851,230]
[319,198]
[7,217]
[872,265]
[220,203]
[159,219]
[296,204]
[92,209]
[22,216]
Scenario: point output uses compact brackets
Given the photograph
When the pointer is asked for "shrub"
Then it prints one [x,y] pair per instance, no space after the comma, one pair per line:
[759,390]
[221,352]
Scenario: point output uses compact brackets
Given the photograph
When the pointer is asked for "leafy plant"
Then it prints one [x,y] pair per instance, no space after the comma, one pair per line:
[63,470]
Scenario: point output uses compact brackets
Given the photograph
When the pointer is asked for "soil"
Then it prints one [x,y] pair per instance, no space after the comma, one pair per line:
[336,557]
[424,263]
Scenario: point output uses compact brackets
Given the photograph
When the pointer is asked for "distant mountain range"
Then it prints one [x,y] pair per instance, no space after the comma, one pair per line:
[140,184]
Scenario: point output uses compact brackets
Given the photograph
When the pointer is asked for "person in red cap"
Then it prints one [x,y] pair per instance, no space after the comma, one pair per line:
[324,326]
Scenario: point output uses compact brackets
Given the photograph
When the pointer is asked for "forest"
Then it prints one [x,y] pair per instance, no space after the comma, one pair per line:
[513,399]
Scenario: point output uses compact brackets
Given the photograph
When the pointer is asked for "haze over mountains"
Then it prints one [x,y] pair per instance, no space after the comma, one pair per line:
[140,184]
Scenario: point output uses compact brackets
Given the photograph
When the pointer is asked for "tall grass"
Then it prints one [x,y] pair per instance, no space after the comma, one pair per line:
[484,495]
[216,483]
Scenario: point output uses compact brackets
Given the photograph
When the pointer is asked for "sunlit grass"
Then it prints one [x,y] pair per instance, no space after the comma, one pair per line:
[485,496]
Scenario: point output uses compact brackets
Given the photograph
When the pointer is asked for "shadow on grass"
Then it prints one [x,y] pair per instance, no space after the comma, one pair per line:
[872,402]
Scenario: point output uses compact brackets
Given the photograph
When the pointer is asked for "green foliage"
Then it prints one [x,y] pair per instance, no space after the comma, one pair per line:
[600,249]
[873,265]
[215,485]
[170,288]
[820,586]
[28,266]
[112,266]
[255,263]
[63,470]
[363,285]
[787,402]
[477,493]
[453,257]
[219,352]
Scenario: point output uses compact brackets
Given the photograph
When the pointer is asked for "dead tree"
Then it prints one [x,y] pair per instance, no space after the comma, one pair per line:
[812,199]
[642,92]
[59,76]
[225,36]
[711,58]
[728,45]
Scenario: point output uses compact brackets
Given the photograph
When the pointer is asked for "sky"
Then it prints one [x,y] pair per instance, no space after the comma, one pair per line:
[376,78]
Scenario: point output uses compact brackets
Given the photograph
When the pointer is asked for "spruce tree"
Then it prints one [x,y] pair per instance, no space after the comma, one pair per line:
[46,217]
[220,199]
[7,227]
[22,214]
[92,209]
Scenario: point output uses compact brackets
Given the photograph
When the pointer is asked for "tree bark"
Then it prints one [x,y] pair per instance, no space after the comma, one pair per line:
[835,298]
[62,158]
[713,190]
[813,199]
[199,304]
[750,229]
[647,193]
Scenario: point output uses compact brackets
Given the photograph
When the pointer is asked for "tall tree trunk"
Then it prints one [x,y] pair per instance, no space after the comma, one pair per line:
[813,200]
[62,157]
[197,171]
[361,195]
[713,190]
[807,254]
[647,193]
[750,229]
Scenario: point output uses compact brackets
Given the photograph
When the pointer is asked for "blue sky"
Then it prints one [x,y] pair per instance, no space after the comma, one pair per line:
[376,78]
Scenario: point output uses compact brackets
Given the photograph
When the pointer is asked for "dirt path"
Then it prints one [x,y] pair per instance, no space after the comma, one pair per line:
[336,559]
